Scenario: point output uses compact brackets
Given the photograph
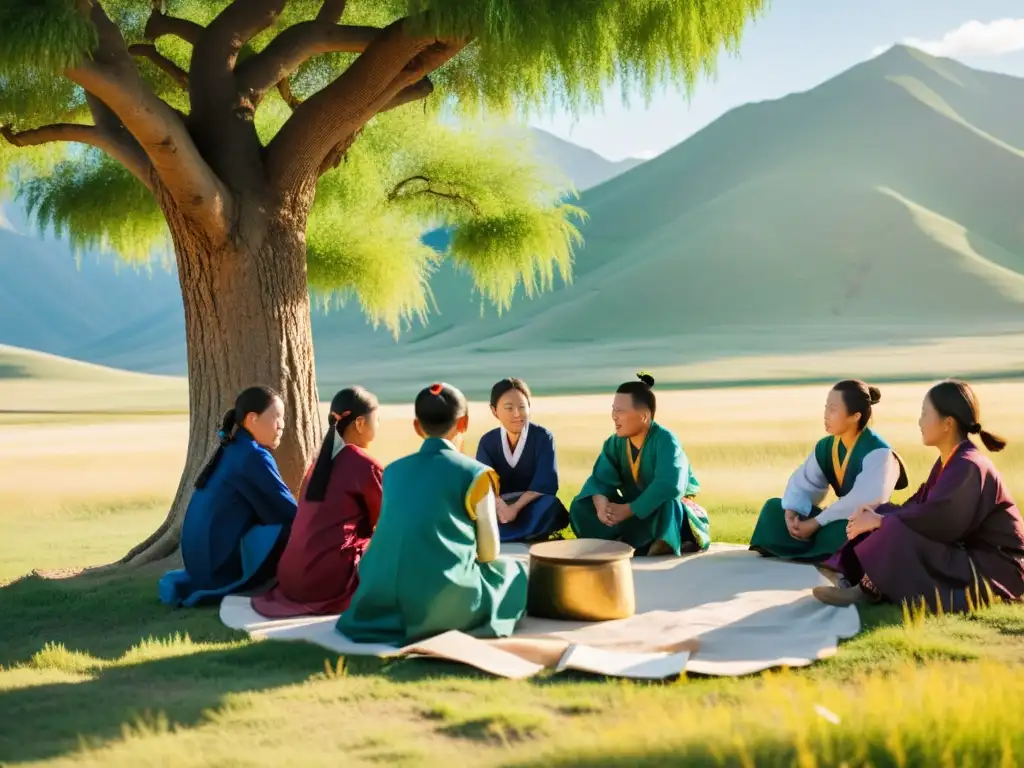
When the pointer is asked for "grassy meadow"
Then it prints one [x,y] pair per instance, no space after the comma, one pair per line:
[94,671]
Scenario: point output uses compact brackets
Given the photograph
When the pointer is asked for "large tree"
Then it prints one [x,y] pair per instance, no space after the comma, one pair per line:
[265,135]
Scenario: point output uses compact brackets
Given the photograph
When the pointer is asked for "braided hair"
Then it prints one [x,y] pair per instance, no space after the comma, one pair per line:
[252,400]
[347,406]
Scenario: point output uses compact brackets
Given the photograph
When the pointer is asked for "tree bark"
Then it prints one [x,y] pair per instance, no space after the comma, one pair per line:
[247,323]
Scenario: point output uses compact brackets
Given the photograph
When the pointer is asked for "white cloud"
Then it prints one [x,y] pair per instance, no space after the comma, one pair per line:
[973,38]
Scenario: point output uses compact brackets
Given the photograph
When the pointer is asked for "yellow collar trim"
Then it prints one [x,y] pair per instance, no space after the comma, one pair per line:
[839,468]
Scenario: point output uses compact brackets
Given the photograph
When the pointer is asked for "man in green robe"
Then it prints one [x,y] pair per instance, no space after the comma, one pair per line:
[640,489]
[432,563]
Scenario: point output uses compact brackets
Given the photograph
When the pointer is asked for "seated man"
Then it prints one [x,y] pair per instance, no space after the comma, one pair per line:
[641,488]
[432,564]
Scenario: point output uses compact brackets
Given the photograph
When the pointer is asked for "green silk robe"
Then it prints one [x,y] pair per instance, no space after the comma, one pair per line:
[654,496]
[869,475]
[420,575]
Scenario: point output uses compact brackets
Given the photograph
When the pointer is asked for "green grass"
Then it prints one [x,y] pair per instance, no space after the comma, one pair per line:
[94,671]
[98,673]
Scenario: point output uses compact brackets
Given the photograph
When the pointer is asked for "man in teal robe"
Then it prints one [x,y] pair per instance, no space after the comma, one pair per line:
[640,487]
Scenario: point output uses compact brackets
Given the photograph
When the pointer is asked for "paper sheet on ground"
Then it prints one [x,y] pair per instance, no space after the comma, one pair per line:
[726,611]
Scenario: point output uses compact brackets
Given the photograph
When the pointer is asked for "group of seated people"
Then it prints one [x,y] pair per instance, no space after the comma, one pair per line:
[410,551]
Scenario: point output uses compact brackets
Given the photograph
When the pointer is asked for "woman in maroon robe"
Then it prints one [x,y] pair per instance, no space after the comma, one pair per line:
[339,504]
[958,542]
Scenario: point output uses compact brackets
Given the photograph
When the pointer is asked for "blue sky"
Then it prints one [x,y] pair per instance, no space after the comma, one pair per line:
[794,46]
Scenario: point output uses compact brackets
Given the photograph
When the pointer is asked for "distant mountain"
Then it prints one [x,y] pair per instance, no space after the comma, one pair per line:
[54,302]
[584,167]
[878,210]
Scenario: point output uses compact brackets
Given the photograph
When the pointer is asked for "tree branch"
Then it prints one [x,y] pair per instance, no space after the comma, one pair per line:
[132,155]
[332,11]
[421,89]
[158,26]
[285,89]
[110,76]
[149,51]
[296,45]
[221,117]
[225,36]
[394,61]
[82,134]
[396,193]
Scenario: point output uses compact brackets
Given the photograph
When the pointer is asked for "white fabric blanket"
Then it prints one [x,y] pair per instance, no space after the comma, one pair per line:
[726,611]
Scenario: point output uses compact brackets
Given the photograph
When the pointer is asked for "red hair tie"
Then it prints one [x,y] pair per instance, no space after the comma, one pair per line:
[437,389]
[343,415]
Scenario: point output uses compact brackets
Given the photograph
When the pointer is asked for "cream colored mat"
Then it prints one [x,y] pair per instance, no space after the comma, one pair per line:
[723,612]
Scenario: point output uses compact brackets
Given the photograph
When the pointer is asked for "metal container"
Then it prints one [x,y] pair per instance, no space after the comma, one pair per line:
[581,580]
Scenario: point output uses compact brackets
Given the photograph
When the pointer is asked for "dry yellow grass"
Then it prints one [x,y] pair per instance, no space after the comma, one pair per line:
[56,476]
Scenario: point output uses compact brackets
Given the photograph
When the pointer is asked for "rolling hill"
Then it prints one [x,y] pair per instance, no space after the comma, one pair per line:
[878,211]
[868,226]
[40,383]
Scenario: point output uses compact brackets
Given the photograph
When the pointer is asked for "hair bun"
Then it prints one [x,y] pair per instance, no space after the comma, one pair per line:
[874,395]
[646,378]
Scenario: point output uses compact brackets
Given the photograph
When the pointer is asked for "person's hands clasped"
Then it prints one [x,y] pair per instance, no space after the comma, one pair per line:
[803,529]
[616,513]
[506,512]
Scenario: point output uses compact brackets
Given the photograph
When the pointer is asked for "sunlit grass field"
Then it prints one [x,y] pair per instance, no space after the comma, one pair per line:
[96,672]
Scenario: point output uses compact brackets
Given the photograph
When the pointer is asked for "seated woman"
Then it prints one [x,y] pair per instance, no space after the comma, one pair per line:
[432,565]
[523,455]
[238,519]
[853,461]
[642,485]
[339,504]
[957,542]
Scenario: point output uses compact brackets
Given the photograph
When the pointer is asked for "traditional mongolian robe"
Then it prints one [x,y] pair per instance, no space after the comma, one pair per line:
[953,544]
[318,570]
[429,568]
[235,527]
[867,474]
[530,467]
[655,481]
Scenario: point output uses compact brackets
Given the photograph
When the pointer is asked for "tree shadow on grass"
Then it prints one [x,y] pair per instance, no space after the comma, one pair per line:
[102,615]
[48,720]
[98,618]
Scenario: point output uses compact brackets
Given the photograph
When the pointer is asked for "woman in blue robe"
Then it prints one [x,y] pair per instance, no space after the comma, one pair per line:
[241,512]
[523,455]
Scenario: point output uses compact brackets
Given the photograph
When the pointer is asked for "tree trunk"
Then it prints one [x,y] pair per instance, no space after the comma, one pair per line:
[246,323]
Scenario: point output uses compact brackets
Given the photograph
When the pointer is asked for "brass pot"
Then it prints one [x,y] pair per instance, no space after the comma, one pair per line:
[581,580]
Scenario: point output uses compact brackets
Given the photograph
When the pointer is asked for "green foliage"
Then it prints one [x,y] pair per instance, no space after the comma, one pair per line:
[566,52]
[45,35]
[96,203]
[30,97]
[409,171]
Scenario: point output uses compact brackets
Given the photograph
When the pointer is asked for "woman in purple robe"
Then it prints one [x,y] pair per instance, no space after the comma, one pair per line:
[523,455]
[958,542]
